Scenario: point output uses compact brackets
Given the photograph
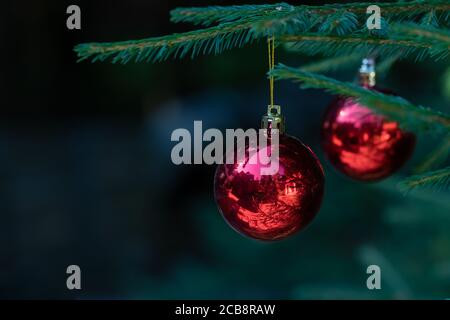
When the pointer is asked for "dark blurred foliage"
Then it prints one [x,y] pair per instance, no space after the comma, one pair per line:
[86,176]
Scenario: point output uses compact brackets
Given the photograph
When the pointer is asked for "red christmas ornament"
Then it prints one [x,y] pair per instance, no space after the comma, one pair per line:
[361,144]
[271,207]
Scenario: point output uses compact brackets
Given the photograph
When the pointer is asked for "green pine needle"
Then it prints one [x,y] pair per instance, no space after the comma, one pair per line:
[438,180]
[398,10]
[386,64]
[213,40]
[349,61]
[334,45]
[341,22]
[430,19]
[436,158]
[411,117]
[333,63]
[423,32]
[207,16]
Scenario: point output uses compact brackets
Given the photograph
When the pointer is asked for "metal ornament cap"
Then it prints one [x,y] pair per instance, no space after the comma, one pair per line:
[367,74]
[273,119]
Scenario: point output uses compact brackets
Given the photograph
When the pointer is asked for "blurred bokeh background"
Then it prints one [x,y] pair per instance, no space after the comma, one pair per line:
[86,176]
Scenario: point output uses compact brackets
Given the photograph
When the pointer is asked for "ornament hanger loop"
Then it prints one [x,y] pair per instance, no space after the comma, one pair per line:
[271,55]
[273,119]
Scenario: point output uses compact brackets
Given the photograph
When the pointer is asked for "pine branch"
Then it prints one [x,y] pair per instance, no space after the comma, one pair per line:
[386,64]
[419,47]
[207,16]
[206,41]
[333,63]
[349,61]
[439,180]
[340,22]
[423,32]
[430,19]
[436,158]
[396,108]
[236,34]
[310,28]
[398,10]
[215,40]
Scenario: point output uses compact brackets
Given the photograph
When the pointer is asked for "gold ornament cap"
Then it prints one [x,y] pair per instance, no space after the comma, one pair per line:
[273,119]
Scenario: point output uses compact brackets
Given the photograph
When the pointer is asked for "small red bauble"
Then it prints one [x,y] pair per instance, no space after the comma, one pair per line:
[271,207]
[362,144]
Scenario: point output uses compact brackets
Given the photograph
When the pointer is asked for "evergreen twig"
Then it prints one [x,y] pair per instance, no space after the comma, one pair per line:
[419,47]
[439,179]
[207,16]
[329,29]
[436,158]
[349,61]
[333,63]
[386,64]
[206,41]
[398,10]
[423,32]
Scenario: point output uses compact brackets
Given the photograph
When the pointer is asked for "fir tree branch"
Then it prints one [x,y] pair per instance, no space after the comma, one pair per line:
[366,45]
[439,179]
[207,16]
[430,19]
[218,14]
[333,63]
[206,41]
[396,108]
[236,34]
[422,31]
[329,25]
[386,64]
[238,25]
[340,22]
[349,61]
[436,158]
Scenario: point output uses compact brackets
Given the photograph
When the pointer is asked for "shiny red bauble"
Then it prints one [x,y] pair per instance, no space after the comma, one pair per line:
[362,144]
[271,207]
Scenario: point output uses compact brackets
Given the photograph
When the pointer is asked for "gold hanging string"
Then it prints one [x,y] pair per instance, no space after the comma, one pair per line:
[271,51]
